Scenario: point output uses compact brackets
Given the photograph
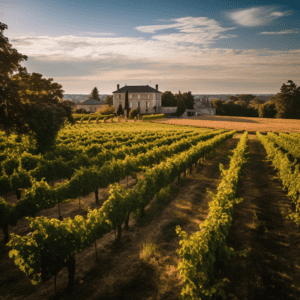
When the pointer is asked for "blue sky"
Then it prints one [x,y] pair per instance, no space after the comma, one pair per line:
[206,47]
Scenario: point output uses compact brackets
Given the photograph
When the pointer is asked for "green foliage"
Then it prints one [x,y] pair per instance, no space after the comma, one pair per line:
[267,110]
[71,236]
[120,111]
[287,102]
[126,103]
[95,94]
[29,104]
[106,110]
[247,98]
[109,100]
[188,100]
[133,113]
[203,252]
[180,105]
[237,108]
[153,117]
[289,172]
[168,99]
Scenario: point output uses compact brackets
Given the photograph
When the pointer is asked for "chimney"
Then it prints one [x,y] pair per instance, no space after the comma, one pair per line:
[118,86]
[157,87]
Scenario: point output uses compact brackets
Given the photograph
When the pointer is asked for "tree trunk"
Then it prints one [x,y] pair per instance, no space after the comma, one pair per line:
[96,250]
[97,196]
[18,192]
[126,224]
[70,264]
[191,169]
[119,234]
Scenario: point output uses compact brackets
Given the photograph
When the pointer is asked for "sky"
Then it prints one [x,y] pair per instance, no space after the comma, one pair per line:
[206,47]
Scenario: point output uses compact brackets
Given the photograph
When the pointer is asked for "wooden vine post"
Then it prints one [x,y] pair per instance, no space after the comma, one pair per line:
[119,233]
[97,196]
[70,264]
[126,224]
[96,250]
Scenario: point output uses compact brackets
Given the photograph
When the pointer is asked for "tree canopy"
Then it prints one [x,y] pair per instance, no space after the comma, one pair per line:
[168,99]
[94,94]
[109,100]
[29,104]
[180,105]
[287,102]
[126,104]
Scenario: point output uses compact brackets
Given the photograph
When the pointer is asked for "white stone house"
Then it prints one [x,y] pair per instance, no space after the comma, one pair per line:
[91,105]
[142,97]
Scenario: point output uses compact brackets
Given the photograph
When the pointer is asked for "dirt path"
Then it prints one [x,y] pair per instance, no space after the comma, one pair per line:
[272,268]
[122,272]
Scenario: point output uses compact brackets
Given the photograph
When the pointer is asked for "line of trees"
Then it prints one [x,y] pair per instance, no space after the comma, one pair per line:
[285,105]
[181,101]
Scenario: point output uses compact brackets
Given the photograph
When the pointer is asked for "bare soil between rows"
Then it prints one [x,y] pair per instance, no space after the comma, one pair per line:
[272,268]
[121,271]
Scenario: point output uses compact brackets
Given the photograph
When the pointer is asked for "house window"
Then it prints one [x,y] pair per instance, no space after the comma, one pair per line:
[148,96]
[129,104]
[139,104]
[129,96]
[147,104]
[139,96]
[157,96]
[119,96]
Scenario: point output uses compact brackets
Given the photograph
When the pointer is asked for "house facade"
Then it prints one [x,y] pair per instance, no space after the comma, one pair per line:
[90,105]
[142,97]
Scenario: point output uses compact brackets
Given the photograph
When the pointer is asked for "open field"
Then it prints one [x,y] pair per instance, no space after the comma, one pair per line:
[238,123]
[144,264]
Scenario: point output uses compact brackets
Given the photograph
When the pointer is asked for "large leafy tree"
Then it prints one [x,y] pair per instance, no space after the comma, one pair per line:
[29,104]
[109,100]
[246,97]
[287,102]
[94,94]
[168,99]
[180,105]
[188,100]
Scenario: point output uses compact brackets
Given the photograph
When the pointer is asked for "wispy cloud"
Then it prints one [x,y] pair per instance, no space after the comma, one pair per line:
[181,58]
[199,31]
[97,33]
[256,16]
[279,32]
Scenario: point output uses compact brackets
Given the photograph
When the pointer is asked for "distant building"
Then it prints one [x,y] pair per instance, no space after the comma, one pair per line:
[90,105]
[201,107]
[141,97]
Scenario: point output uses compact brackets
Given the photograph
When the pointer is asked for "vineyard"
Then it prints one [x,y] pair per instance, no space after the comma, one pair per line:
[150,211]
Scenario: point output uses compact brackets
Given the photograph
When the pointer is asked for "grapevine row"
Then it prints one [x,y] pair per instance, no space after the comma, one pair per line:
[40,254]
[287,145]
[41,196]
[205,251]
[289,173]
[38,168]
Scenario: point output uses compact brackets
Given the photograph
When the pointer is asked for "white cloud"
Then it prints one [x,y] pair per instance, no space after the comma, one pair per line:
[256,16]
[97,33]
[279,32]
[181,58]
[199,31]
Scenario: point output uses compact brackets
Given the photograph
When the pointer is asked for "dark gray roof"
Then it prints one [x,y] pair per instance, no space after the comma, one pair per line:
[91,102]
[137,89]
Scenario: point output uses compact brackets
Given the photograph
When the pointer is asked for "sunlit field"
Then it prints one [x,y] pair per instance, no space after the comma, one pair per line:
[238,123]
